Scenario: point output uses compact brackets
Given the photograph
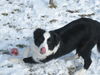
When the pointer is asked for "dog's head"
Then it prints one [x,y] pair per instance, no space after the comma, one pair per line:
[46,42]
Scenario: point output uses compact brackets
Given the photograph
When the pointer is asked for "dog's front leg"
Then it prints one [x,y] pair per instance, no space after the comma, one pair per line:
[29,60]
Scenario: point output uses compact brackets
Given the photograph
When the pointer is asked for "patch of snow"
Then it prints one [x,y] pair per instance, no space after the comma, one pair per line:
[19,18]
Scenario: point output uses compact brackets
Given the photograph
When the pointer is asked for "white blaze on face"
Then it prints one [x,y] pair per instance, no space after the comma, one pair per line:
[44,44]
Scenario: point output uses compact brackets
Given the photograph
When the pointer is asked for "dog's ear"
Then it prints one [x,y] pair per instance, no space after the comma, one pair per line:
[38,33]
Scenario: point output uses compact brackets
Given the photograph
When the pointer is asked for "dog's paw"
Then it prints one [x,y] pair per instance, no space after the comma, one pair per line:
[80,72]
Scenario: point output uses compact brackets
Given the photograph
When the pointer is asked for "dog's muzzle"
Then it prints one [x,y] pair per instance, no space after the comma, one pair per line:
[43,50]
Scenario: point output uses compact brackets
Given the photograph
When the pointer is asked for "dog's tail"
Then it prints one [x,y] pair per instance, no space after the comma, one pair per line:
[98,46]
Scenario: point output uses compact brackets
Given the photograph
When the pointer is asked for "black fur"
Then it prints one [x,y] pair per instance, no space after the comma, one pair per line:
[29,60]
[52,41]
[81,34]
[38,36]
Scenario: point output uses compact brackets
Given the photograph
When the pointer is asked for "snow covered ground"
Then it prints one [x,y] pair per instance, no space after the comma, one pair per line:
[18,19]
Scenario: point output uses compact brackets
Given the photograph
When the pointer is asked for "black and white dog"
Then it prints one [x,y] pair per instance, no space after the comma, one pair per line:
[81,34]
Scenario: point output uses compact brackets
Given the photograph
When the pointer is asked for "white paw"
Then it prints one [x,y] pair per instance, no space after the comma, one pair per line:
[80,72]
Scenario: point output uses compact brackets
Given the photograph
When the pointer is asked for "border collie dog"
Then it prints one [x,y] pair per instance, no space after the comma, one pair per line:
[80,35]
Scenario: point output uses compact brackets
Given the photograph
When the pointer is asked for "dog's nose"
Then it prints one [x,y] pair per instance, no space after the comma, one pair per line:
[43,50]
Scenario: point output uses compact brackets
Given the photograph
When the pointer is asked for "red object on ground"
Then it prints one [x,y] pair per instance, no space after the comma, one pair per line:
[43,50]
[14,51]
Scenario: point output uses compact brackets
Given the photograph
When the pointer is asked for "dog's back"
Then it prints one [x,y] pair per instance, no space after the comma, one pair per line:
[82,35]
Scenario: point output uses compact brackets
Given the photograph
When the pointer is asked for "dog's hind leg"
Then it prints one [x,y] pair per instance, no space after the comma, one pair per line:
[98,45]
[85,52]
